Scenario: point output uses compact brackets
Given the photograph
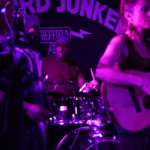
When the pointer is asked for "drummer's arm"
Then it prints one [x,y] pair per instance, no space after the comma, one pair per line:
[81,80]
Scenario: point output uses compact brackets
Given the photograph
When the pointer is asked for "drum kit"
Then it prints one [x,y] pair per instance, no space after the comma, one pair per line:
[85,118]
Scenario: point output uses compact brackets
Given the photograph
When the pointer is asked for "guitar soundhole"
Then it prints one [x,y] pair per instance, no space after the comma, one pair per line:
[146,102]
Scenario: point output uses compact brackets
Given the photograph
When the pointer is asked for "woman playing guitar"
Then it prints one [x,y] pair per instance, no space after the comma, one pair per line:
[124,67]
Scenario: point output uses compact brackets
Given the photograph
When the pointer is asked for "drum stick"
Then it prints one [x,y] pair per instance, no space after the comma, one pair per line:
[92,74]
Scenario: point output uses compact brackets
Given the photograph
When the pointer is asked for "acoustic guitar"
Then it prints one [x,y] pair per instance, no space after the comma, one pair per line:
[128,106]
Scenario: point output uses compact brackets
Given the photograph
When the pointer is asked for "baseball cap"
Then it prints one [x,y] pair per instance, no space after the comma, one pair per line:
[63,40]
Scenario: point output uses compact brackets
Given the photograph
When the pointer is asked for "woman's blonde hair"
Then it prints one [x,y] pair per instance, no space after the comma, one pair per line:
[126,5]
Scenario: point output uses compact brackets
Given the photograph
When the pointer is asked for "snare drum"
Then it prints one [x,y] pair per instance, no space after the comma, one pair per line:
[78,110]
[67,110]
[86,138]
[95,112]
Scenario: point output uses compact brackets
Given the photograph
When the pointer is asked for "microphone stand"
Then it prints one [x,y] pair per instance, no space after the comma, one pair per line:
[8,73]
[17,12]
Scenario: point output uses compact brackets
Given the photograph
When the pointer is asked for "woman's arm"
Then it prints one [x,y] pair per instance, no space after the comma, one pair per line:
[111,56]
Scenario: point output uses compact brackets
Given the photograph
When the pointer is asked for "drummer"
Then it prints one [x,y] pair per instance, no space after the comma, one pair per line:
[60,66]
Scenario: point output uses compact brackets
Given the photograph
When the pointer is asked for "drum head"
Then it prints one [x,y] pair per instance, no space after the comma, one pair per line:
[81,144]
[105,145]
[84,141]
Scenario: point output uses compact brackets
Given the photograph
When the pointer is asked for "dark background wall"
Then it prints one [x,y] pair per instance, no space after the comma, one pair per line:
[97,18]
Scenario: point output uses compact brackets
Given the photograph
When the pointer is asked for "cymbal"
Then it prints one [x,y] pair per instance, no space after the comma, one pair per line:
[57,85]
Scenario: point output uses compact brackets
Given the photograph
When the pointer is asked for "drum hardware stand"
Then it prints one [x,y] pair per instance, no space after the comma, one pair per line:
[78,132]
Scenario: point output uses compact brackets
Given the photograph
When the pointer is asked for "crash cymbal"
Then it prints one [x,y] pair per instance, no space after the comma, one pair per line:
[57,85]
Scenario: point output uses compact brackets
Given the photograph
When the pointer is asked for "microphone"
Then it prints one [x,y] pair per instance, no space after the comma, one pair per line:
[33,31]
[31,28]
[2,10]
[11,4]
[31,24]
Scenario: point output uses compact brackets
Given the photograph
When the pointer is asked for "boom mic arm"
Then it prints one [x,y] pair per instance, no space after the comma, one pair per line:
[18,10]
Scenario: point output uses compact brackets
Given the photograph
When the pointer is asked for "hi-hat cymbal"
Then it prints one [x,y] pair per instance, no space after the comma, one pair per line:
[57,85]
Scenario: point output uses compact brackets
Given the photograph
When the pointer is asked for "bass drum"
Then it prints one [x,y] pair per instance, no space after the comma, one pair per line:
[105,145]
[87,138]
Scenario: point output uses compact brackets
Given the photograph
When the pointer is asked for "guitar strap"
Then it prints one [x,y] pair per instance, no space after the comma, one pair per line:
[130,46]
